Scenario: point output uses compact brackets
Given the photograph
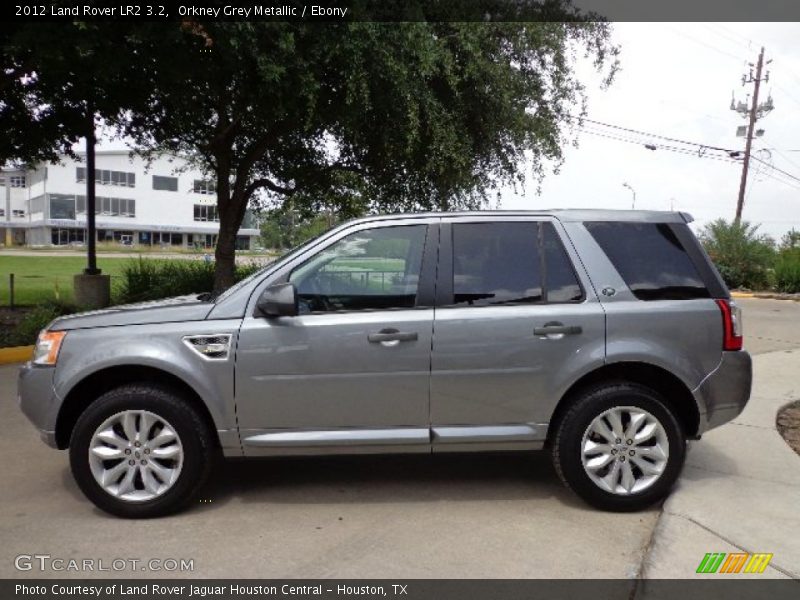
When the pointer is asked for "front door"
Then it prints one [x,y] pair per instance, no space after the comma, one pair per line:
[352,370]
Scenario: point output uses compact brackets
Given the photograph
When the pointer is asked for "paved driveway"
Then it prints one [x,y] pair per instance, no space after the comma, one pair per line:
[418,516]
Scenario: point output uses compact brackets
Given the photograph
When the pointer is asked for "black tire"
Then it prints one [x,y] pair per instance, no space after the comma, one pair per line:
[196,439]
[570,429]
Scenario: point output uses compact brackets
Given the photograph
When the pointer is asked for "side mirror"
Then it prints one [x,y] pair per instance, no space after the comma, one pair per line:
[279,300]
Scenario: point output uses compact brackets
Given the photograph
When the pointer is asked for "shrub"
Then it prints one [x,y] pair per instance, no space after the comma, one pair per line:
[787,271]
[146,279]
[33,322]
[743,256]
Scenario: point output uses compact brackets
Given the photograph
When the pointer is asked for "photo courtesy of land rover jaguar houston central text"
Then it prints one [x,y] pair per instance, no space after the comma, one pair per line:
[606,337]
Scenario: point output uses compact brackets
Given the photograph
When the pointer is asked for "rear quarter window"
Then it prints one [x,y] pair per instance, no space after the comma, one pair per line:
[651,260]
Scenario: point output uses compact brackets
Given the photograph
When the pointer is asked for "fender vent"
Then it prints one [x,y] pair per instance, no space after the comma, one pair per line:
[211,347]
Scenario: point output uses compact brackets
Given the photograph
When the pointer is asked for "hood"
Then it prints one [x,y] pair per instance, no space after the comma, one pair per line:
[168,310]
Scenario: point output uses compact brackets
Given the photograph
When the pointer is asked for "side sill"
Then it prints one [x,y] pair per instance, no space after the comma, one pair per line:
[340,437]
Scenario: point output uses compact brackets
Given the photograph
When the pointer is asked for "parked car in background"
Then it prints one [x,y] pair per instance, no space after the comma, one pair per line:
[604,337]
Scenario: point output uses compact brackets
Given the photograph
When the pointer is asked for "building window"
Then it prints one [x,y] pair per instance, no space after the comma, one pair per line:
[242,242]
[206,212]
[2,212]
[167,184]
[202,186]
[62,206]
[106,177]
[62,237]
[17,181]
[18,213]
[108,207]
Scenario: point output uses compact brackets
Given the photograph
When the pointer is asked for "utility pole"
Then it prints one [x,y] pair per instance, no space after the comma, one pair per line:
[91,235]
[752,112]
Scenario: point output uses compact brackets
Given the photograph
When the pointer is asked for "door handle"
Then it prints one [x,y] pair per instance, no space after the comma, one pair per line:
[392,335]
[557,329]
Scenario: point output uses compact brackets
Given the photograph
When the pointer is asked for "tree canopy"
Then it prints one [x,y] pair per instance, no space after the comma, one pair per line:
[335,116]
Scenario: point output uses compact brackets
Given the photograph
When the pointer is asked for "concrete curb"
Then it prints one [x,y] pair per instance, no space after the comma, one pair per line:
[766,295]
[17,354]
[740,489]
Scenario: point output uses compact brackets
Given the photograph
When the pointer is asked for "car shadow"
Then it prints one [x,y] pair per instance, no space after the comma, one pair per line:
[390,478]
[374,479]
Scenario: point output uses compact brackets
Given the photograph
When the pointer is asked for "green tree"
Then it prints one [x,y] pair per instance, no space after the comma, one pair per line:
[742,255]
[790,240]
[390,116]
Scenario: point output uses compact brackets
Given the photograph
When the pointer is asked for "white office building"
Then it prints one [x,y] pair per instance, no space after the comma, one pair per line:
[162,204]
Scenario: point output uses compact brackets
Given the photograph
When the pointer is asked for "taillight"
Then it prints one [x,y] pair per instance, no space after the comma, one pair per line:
[731,325]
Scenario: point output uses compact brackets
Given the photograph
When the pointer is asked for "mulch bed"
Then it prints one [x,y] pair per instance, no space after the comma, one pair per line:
[788,424]
[9,320]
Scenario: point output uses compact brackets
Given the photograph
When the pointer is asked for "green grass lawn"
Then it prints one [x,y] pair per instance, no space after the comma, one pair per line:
[40,278]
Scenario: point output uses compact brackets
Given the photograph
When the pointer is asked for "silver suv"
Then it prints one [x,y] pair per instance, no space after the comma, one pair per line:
[606,337]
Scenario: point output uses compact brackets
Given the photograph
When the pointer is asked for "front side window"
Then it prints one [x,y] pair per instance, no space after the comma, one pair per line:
[367,270]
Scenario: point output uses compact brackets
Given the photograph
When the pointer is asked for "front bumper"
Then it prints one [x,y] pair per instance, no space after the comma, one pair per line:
[38,400]
[722,396]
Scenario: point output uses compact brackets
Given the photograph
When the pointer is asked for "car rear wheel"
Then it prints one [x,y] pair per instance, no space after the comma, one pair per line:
[619,447]
[140,451]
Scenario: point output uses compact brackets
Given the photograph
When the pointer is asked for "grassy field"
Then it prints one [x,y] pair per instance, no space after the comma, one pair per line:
[39,278]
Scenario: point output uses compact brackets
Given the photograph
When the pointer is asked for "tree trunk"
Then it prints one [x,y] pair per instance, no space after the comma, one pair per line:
[230,219]
[225,253]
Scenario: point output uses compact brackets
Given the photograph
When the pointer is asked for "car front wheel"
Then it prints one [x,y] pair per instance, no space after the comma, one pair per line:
[140,451]
[619,447]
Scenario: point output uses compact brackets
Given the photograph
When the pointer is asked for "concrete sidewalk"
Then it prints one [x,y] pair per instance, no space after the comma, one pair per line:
[740,490]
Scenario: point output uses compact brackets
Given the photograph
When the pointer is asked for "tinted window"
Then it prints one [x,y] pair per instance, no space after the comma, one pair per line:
[496,263]
[169,184]
[62,206]
[560,279]
[366,270]
[650,259]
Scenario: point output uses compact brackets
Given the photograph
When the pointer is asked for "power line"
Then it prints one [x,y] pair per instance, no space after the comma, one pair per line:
[702,43]
[658,136]
[789,175]
[659,146]
[622,137]
[721,33]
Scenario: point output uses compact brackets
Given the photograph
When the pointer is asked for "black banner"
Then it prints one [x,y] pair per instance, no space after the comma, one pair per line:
[404,10]
[745,588]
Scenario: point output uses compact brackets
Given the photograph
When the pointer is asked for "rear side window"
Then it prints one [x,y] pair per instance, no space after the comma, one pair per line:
[510,263]
[651,260]
[561,282]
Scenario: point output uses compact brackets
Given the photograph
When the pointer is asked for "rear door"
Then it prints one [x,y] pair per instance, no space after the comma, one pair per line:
[516,319]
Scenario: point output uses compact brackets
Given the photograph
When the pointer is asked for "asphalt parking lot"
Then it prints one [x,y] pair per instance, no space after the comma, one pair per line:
[379,517]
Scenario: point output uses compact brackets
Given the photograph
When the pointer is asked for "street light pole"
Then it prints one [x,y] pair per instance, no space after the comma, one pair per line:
[633,191]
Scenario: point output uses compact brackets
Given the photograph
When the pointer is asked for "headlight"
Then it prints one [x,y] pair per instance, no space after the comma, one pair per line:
[47,346]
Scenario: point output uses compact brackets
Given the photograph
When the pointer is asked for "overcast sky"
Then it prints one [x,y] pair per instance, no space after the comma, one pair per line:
[676,80]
